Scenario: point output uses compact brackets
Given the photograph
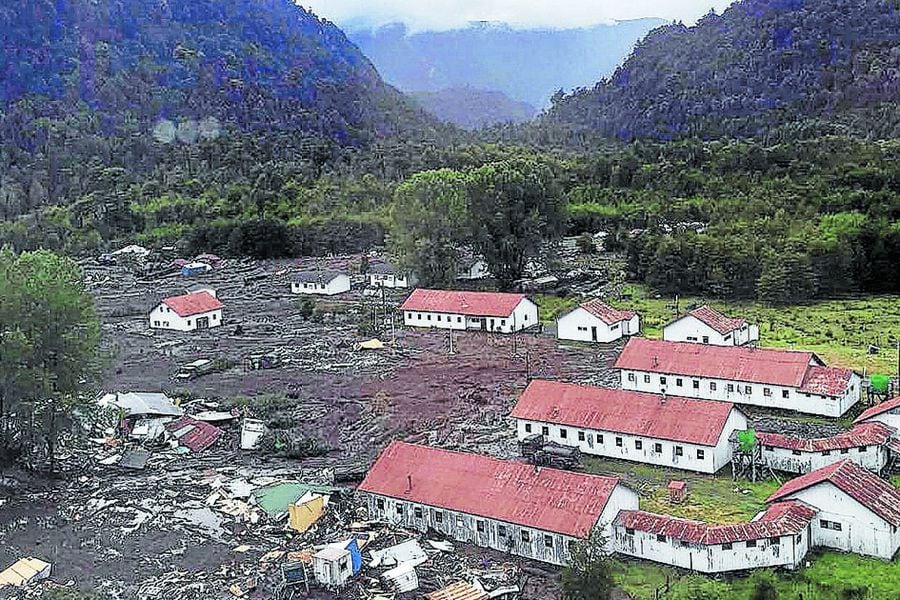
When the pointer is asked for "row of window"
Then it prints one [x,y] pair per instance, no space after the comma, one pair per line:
[833,525]
[775,541]
[859,449]
[730,388]
[620,442]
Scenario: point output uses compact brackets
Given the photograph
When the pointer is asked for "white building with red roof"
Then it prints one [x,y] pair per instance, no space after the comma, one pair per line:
[596,321]
[782,379]
[505,505]
[462,310]
[858,511]
[867,444]
[887,412]
[706,325]
[673,432]
[189,312]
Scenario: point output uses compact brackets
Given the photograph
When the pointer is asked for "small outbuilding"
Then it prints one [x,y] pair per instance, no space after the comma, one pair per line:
[321,283]
[190,312]
[706,325]
[332,566]
[387,276]
[596,321]
[887,413]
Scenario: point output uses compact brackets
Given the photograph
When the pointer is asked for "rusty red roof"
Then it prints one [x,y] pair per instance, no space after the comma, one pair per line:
[194,434]
[878,409]
[196,303]
[737,363]
[514,492]
[864,434]
[859,483]
[827,381]
[473,304]
[782,518]
[716,320]
[622,411]
[607,313]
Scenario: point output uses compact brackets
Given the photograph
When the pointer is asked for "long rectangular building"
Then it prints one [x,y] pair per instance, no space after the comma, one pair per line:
[649,428]
[463,310]
[782,379]
[505,505]
[867,444]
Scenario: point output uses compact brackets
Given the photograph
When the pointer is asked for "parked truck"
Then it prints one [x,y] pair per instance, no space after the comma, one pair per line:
[544,453]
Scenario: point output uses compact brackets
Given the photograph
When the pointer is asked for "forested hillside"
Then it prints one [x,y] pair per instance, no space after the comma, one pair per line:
[775,69]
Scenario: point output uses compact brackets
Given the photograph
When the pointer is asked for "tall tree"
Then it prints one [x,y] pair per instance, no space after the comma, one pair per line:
[516,207]
[588,576]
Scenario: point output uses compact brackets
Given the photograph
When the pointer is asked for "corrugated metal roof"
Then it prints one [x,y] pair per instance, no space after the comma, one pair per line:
[607,313]
[878,409]
[461,590]
[864,434]
[193,304]
[783,518]
[736,363]
[193,434]
[716,320]
[828,381]
[859,483]
[622,411]
[317,276]
[474,304]
[514,492]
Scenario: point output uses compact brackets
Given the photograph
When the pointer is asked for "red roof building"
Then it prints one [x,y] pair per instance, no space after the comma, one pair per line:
[874,493]
[621,411]
[197,303]
[513,492]
[879,409]
[717,320]
[472,304]
[864,434]
[607,313]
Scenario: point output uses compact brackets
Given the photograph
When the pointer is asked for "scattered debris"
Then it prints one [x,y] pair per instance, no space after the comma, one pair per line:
[25,571]
[192,434]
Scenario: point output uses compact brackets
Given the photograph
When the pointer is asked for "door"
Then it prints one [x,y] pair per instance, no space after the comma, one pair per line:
[594,333]
[492,324]
[203,323]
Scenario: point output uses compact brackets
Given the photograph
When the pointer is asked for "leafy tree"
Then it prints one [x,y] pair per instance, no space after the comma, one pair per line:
[516,207]
[588,575]
[787,278]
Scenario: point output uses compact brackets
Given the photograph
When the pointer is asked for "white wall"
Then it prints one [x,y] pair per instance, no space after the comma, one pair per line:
[890,418]
[795,400]
[338,285]
[862,531]
[578,325]
[873,458]
[479,270]
[163,317]
[606,443]
[691,329]
[524,316]
[388,280]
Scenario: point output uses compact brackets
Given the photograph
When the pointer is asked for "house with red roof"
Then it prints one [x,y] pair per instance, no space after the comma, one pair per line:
[868,444]
[783,379]
[505,505]
[705,325]
[596,321]
[858,511]
[464,310]
[682,433]
[887,412]
[189,312]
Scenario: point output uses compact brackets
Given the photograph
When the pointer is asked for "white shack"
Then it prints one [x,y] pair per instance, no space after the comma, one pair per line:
[461,310]
[705,325]
[866,444]
[471,268]
[887,412]
[671,432]
[332,566]
[505,505]
[321,283]
[596,321]
[190,312]
[784,379]
[387,276]
[858,511]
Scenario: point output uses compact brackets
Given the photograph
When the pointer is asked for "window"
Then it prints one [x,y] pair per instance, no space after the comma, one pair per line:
[692,338]
[548,541]
[679,451]
[775,541]
[751,543]
[795,452]
[727,337]
[600,438]
[684,544]
[767,392]
[631,377]
[660,537]
[726,546]
[696,384]
[614,327]
[662,381]
[438,318]
[459,319]
[836,526]
[845,450]
[646,379]
[189,322]
[748,390]
[618,442]
[712,386]
[545,431]
[730,387]
[380,504]
[705,339]
[400,509]
[429,317]
[502,322]
[417,512]
[526,536]
[785,394]
[700,454]
[657,447]
[862,448]
[638,445]
[833,525]
[527,427]
[580,436]
[679,382]
[479,526]
[501,531]
[460,523]
[799,537]
[629,530]
[826,452]
[156,323]
[563,433]
[438,517]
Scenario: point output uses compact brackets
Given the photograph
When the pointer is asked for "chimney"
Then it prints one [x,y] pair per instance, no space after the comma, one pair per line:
[655,361]
[408,483]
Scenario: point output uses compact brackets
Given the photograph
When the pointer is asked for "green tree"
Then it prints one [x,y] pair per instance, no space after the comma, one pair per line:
[762,585]
[429,224]
[787,278]
[588,575]
[516,207]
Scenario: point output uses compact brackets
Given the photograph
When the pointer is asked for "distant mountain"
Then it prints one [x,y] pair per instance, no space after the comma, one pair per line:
[472,108]
[764,68]
[526,65]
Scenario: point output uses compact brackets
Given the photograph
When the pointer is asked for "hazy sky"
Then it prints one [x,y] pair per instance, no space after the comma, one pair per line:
[446,14]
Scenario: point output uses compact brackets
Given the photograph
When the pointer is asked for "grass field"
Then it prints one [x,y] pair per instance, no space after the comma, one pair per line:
[840,331]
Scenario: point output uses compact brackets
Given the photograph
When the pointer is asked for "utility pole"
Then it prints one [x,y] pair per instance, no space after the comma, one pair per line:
[450,331]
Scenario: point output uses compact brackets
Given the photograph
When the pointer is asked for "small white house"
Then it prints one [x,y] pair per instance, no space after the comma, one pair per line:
[501,504]
[332,566]
[858,511]
[190,312]
[867,444]
[461,310]
[596,321]
[671,432]
[471,268]
[705,325]
[321,283]
[387,276]
[886,412]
